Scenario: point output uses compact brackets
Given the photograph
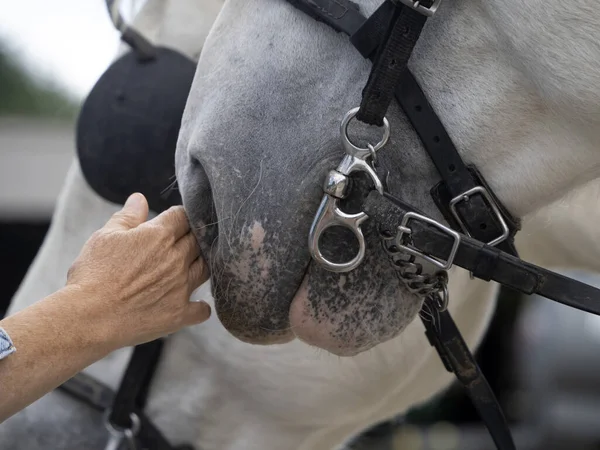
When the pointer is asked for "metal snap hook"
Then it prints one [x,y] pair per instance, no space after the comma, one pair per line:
[336,187]
[329,215]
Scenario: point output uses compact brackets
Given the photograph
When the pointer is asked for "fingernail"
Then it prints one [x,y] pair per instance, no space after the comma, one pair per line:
[135,200]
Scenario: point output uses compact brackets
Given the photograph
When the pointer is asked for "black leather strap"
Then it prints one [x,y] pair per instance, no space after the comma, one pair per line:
[456,357]
[393,52]
[486,262]
[476,213]
[133,393]
[150,437]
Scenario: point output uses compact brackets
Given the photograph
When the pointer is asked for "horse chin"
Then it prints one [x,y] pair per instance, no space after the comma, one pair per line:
[318,332]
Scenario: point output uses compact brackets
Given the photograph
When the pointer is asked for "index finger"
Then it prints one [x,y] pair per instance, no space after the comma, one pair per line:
[175,220]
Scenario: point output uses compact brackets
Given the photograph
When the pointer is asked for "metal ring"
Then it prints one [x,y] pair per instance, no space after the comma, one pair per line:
[134,429]
[360,152]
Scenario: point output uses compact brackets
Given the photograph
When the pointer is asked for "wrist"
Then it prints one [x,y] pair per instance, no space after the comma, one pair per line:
[86,313]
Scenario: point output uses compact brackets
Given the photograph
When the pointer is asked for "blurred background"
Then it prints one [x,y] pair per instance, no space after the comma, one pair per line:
[51,54]
[539,357]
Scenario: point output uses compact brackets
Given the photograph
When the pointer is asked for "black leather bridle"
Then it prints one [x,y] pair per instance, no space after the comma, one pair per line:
[482,240]
[482,233]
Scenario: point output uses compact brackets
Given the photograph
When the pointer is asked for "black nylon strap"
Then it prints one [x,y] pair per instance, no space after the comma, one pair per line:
[367,37]
[402,33]
[445,337]
[341,15]
[509,270]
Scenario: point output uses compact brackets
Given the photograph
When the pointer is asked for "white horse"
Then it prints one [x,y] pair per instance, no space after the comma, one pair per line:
[218,392]
[564,234]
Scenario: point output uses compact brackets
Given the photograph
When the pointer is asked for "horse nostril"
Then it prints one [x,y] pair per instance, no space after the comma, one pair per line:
[195,162]
[197,199]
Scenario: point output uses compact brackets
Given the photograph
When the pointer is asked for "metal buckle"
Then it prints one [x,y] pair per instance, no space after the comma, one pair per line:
[416,5]
[403,229]
[483,191]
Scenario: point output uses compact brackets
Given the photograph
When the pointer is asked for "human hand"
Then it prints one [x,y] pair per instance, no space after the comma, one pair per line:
[136,277]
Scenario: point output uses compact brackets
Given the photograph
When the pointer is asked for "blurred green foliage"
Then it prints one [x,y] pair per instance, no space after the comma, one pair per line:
[22,94]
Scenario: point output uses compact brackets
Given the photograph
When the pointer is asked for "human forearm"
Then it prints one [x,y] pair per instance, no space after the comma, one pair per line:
[72,338]
[130,284]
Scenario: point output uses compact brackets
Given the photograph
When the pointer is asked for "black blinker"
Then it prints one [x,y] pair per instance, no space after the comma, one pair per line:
[127,128]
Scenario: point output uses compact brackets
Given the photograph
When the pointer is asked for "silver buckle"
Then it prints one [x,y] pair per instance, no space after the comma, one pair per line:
[416,5]
[483,191]
[403,229]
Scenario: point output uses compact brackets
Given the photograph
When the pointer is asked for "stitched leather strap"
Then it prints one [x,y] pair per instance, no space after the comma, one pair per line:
[476,212]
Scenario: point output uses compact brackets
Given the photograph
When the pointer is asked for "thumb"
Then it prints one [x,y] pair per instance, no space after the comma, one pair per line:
[133,213]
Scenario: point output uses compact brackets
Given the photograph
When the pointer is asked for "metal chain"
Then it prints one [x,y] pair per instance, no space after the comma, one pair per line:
[434,286]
